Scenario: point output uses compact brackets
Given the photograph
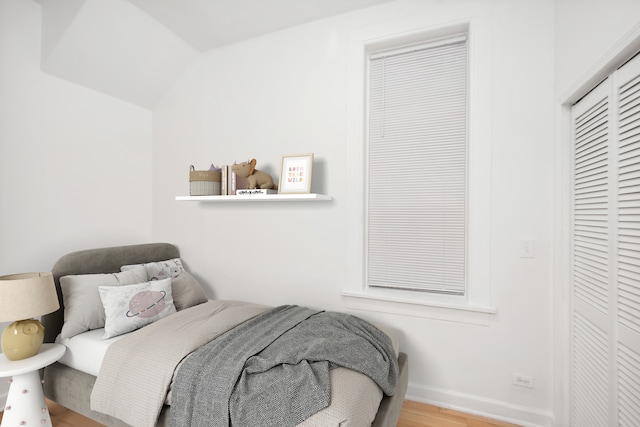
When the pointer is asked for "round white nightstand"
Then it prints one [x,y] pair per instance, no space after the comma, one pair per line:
[25,403]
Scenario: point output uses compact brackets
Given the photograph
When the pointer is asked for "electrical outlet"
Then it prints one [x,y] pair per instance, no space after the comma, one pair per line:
[523,380]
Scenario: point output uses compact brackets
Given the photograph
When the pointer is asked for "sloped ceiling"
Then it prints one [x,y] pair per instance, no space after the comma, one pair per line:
[208,24]
[135,49]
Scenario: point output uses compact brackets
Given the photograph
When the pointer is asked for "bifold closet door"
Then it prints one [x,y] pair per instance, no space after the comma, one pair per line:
[605,318]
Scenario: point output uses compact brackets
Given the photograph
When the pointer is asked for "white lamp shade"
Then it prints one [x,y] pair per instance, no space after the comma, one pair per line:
[27,295]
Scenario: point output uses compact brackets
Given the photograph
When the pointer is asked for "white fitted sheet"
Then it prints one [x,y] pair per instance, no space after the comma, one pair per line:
[86,351]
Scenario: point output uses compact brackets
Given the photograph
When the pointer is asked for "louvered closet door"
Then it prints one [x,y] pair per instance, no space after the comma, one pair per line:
[627,387]
[591,259]
[606,253]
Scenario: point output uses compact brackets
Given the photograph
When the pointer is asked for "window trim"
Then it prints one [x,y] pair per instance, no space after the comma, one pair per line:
[477,300]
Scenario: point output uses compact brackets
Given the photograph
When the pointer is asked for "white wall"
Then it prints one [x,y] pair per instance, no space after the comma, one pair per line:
[75,165]
[286,93]
[586,31]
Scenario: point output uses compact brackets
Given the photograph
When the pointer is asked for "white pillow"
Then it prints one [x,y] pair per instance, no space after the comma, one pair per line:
[159,270]
[83,309]
[131,307]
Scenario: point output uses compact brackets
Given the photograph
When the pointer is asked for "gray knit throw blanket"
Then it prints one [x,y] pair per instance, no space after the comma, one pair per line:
[273,369]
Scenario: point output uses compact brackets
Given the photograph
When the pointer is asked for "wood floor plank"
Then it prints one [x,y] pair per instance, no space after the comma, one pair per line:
[63,417]
[415,414]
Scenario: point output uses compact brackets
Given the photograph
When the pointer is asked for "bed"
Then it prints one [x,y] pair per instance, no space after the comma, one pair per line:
[355,399]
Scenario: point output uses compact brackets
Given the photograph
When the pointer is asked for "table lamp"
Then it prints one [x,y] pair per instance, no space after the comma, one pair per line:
[23,296]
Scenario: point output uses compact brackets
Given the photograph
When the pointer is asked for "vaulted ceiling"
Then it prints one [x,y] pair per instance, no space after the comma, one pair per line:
[208,24]
[135,49]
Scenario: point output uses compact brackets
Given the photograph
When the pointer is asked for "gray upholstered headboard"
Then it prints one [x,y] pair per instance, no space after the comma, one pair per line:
[103,260]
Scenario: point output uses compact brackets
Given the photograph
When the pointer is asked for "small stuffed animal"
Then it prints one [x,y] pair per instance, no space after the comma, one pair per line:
[256,178]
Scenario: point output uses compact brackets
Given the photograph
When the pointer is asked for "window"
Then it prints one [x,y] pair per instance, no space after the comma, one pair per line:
[432,157]
[416,148]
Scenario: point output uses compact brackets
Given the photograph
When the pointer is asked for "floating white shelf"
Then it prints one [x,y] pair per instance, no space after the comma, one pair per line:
[256,198]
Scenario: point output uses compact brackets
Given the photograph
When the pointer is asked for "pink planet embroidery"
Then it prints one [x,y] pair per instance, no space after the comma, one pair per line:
[146,304]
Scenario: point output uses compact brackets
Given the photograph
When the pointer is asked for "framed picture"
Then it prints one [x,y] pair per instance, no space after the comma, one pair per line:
[295,174]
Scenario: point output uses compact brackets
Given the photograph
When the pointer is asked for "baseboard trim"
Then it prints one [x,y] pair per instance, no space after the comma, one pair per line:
[478,405]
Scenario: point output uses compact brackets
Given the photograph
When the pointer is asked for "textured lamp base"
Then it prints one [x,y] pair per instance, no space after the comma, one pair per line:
[25,403]
[22,339]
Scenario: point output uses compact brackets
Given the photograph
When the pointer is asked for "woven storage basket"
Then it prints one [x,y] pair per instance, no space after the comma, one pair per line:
[204,183]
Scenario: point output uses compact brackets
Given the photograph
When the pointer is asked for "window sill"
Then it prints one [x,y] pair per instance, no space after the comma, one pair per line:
[451,312]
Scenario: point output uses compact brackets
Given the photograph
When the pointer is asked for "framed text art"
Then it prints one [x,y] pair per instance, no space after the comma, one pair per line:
[295,174]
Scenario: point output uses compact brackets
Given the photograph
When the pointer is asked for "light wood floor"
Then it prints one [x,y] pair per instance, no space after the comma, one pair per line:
[416,414]
[413,415]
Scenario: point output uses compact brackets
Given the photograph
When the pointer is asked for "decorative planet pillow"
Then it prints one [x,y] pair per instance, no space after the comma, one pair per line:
[82,305]
[131,307]
[161,269]
[186,290]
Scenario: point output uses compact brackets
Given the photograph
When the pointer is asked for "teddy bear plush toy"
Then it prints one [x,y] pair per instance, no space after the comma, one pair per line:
[256,178]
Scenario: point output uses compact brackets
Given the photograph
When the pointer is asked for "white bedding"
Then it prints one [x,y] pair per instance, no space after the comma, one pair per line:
[86,351]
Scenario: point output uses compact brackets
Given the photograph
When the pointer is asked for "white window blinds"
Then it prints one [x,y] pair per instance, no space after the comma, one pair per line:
[417,167]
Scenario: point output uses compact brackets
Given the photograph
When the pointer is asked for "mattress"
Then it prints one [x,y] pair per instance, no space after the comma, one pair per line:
[86,351]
